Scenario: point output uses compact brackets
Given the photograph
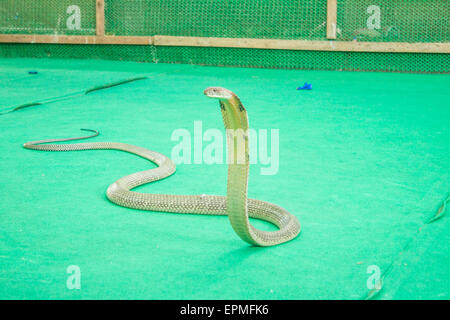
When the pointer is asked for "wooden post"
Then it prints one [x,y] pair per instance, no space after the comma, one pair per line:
[100,18]
[331,19]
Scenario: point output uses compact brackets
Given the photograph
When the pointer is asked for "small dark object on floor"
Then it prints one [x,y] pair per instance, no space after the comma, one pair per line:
[306,86]
[32,72]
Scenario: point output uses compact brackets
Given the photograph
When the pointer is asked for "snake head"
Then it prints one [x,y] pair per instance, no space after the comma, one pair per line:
[218,93]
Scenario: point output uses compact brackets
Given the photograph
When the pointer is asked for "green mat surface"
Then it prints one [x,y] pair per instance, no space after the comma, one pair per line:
[364,164]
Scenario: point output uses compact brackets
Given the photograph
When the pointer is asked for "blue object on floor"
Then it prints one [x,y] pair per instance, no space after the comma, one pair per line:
[306,86]
[32,72]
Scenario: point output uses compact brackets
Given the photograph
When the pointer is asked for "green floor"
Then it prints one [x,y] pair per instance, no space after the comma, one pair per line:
[364,165]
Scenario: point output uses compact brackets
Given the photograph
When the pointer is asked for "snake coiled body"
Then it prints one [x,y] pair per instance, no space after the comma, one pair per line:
[236,204]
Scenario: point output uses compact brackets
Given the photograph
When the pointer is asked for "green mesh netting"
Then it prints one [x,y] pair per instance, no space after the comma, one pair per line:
[358,20]
[393,20]
[274,19]
[364,20]
[286,59]
[47,17]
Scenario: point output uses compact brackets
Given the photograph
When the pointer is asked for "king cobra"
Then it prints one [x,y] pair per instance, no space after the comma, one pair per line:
[235,204]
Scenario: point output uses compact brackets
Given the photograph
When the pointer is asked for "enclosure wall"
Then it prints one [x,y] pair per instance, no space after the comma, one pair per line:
[360,21]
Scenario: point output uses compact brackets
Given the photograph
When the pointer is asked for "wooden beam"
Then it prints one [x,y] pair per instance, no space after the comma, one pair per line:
[100,18]
[274,44]
[61,39]
[302,44]
[331,19]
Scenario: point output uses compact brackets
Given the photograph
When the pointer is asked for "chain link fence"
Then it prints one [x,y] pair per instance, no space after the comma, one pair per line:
[409,21]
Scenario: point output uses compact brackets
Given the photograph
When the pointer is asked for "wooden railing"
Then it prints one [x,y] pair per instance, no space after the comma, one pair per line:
[159,40]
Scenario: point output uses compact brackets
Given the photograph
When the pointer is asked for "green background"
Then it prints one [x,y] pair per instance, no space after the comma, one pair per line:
[364,165]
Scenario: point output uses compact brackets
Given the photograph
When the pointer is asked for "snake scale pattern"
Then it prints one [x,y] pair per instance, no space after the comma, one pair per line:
[235,205]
